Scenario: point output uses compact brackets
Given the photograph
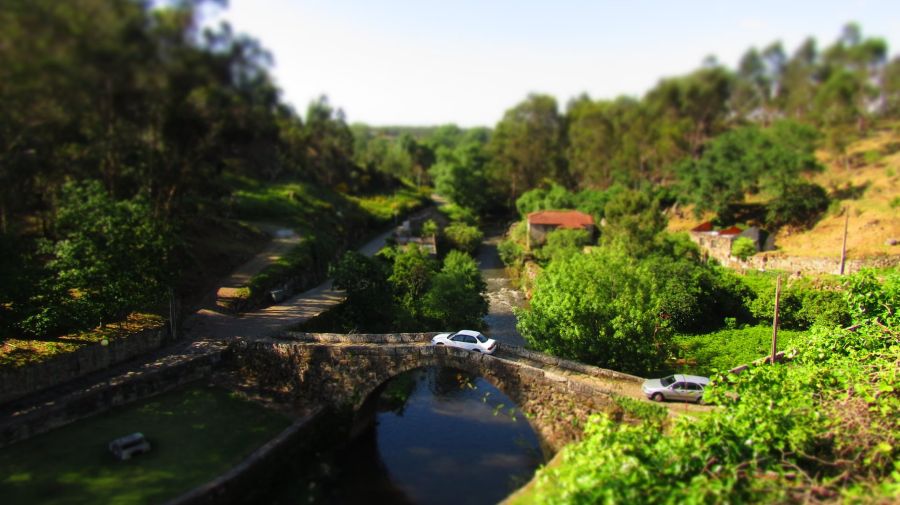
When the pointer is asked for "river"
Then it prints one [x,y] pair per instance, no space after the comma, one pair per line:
[503,298]
[439,436]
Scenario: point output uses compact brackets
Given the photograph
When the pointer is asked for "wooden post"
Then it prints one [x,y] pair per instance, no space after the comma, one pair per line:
[844,246]
[775,319]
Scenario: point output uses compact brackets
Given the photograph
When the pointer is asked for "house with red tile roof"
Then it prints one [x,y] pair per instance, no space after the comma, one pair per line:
[717,243]
[542,222]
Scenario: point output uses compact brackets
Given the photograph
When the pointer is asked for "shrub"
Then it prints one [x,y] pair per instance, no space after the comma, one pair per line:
[743,248]
[561,243]
[463,237]
[511,253]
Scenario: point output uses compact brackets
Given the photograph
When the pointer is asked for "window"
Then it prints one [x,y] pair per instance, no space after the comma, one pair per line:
[678,385]
[666,381]
[481,338]
[470,339]
[694,387]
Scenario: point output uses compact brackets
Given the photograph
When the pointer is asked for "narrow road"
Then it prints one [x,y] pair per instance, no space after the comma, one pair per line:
[283,240]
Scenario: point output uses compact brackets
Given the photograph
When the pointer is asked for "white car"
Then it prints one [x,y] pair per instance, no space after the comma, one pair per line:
[468,340]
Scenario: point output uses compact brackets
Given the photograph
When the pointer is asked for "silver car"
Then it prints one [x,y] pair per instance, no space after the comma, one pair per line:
[688,388]
[125,447]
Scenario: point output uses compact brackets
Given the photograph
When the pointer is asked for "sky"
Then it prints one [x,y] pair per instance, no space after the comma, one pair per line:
[424,62]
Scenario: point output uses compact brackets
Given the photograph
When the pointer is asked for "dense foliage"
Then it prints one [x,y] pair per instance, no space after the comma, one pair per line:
[822,426]
[129,136]
[403,289]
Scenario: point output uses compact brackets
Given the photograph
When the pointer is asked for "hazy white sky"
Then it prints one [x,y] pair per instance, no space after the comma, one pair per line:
[424,62]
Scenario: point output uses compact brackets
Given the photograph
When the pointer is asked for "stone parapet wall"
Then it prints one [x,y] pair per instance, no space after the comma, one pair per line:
[16,382]
[347,376]
[566,364]
[358,338]
[802,265]
[159,377]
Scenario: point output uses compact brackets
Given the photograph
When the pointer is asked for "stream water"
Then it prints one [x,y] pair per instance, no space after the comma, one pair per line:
[440,436]
[503,298]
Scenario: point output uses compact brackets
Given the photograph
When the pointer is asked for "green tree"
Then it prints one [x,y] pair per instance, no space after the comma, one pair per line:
[463,237]
[368,292]
[747,160]
[410,279]
[561,243]
[460,176]
[110,257]
[597,308]
[456,297]
[527,146]
[633,222]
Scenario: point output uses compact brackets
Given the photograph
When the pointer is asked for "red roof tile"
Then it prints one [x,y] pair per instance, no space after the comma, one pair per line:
[734,230]
[706,226]
[561,218]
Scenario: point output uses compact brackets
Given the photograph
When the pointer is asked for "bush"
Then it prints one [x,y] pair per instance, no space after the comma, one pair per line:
[743,247]
[801,306]
[821,427]
[511,253]
[463,237]
[561,243]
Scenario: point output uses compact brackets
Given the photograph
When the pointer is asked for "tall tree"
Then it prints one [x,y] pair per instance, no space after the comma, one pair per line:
[527,146]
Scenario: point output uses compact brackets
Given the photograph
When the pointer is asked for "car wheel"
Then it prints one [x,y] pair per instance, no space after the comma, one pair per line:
[657,397]
[699,400]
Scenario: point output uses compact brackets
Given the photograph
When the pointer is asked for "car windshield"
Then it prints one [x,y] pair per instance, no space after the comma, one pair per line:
[481,338]
[666,381]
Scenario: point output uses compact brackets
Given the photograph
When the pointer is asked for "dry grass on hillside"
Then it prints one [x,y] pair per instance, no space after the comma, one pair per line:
[865,191]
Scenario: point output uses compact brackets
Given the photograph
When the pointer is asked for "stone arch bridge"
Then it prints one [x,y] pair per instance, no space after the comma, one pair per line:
[556,395]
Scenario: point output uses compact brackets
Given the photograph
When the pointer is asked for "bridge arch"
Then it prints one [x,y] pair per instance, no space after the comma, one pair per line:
[345,375]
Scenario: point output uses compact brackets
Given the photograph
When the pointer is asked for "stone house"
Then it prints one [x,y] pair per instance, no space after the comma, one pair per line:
[542,222]
[717,243]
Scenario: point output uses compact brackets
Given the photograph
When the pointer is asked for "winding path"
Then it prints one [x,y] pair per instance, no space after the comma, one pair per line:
[209,323]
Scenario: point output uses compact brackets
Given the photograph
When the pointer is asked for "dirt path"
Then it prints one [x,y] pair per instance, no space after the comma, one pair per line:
[209,323]
[283,240]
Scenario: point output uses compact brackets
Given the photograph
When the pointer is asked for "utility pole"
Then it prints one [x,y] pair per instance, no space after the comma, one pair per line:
[775,320]
[844,247]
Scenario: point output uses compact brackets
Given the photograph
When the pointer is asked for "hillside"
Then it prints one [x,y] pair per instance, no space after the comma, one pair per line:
[868,187]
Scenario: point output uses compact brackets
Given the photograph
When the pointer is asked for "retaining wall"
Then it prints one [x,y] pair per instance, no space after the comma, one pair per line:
[148,381]
[16,382]
[252,479]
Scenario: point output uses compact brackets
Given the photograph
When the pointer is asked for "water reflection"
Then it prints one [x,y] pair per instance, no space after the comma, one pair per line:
[441,436]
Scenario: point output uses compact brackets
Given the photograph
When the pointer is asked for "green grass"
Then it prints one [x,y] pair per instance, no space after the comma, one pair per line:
[196,434]
[726,349]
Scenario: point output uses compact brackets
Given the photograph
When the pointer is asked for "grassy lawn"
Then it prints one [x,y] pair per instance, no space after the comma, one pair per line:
[726,349]
[196,433]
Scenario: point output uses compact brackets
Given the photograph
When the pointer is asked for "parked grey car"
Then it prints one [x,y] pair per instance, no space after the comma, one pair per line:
[688,388]
[125,447]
